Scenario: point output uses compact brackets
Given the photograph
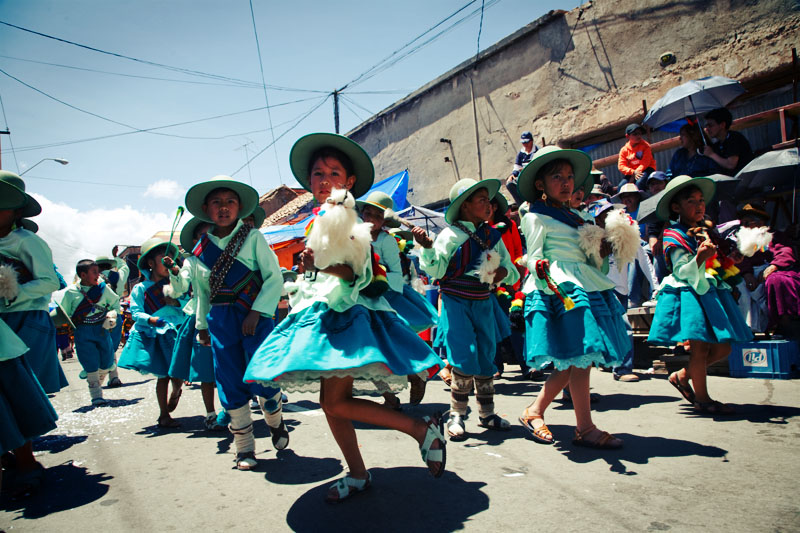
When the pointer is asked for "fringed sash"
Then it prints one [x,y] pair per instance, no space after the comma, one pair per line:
[87,311]
[467,257]
[240,286]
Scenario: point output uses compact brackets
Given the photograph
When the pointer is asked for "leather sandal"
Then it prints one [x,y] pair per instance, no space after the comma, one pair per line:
[540,434]
[714,408]
[172,403]
[605,441]
[347,487]
[686,390]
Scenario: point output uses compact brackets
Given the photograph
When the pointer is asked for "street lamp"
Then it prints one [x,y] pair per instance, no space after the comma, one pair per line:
[56,159]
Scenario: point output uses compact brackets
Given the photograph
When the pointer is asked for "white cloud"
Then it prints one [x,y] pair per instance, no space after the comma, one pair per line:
[74,235]
[168,189]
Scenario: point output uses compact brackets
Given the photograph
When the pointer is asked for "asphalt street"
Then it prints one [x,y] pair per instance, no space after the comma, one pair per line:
[111,469]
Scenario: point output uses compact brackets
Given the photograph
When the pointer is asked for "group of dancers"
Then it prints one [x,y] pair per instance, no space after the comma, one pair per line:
[351,329]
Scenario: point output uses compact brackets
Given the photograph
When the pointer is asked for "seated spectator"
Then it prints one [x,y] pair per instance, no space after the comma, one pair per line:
[635,158]
[688,160]
[523,158]
[605,184]
[596,194]
[729,149]
[752,294]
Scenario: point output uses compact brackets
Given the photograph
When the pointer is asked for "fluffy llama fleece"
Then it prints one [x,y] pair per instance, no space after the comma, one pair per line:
[337,237]
[9,282]
[752,240]
[489,263]
[623,234]
[111,320]
[590,238]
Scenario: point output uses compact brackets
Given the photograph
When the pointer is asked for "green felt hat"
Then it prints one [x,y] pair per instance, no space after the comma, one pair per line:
[29,225]
[187,232]
[14,196]
[581,165]
[402,233]
[151,247]
[463,189]
[378,199]
[305,146]
[706,186]
[196,196]
[259,216]
[104,259]
[502,202]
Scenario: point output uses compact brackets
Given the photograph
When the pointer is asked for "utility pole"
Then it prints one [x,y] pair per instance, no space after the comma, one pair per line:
[336,110]
[4,132]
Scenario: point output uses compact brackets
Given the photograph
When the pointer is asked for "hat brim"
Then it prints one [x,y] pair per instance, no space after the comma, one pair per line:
[502,203]
[752,212]
[187,232]
[581,165]
[11,197]
[259,216]
[490,184]
[305,146]
[29,225]
[196,196]
[151,250]
[363,203]
[706,186]
[32,207]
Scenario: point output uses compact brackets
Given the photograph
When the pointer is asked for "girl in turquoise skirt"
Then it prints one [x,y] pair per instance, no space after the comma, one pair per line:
[573,319]
[157,319]
[695,302]
[339,341]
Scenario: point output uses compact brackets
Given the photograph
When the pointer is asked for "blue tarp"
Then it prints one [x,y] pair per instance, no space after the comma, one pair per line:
[395,186]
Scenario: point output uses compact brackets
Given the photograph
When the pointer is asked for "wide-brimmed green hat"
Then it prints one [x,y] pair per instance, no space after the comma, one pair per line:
[196,196]
[187,233]
[152,246]
[299,159]
[14,196]
[581,165]
[402,233]
[259,215]
[502,202]
[378,199]
[104,259]
[29,225]
[463,189]
[706,186]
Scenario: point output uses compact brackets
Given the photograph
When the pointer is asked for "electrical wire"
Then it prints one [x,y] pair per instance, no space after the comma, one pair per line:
[266,98]
[10,142]
[357,105]
[353,111]
[27,176]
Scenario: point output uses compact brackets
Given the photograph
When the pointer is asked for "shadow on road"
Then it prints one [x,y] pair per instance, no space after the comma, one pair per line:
[400,499]
[288,468]
[65,487]
[758,414]
[56,443]
[637,450]
[619,402]
[111,404]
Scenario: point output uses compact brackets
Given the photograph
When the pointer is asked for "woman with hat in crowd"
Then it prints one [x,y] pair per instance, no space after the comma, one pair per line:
[340,341]
[695,302]
[566,293]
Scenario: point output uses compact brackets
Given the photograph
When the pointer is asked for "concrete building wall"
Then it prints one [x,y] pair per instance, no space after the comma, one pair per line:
[573,78]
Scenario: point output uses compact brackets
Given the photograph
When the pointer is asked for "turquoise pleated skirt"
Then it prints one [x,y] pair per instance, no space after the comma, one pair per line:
[148,355]
[25,411]
[37,331]
[682,315]
[593,332]
[376,348]
[413,307]
[191,361]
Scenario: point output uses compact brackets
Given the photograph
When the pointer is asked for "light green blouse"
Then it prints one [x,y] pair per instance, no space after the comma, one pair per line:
[75,293]
[34,253]
[687,273]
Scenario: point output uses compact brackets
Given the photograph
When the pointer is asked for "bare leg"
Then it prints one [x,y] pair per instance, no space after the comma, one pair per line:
[554,384]
[697,369]
[24,456]
[718,352]
[207,391]
[177,388]
[161,395]
[581,402]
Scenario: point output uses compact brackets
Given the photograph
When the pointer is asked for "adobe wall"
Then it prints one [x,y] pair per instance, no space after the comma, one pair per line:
[570,75]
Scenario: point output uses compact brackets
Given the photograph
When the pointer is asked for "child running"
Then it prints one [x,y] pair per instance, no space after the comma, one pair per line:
[572,316]
[191,360]
[115,272]
[340,341]
[694,302]
[157,319]
[237,282]
[88,304]
[468,258]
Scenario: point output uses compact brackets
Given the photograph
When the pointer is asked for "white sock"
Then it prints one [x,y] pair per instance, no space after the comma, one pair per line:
[93,380]
[242,428]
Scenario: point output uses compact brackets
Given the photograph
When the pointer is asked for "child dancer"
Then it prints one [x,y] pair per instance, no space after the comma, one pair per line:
[335,333]
[191,360]
[566,295]
[694,302]
[89,303]
[467,258]
[25,412]
[157,319]
[29,279]
[115,272]
[238,283]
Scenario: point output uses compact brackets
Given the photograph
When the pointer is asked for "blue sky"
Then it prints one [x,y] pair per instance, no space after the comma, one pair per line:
[311,47]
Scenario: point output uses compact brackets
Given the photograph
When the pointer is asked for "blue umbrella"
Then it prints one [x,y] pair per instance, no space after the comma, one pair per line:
[693,98]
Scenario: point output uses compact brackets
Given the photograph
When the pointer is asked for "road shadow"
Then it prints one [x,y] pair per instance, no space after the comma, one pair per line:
[637,450]
[56,443]
[619,402]
[401,499]
[127,384]
[111,404]
[288,468]
[517,388]
[756,413]
[65,487]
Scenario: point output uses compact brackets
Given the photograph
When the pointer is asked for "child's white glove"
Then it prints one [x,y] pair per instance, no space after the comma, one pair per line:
[111,320]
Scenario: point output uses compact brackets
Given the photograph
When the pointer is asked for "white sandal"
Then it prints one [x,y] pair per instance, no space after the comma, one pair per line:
[431,456]
[346,487]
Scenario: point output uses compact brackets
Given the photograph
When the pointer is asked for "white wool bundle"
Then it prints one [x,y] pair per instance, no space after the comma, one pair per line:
[590,238]
[111,320]
[622,232]
[168,291]
[9,282]
[289,288]
[418,285]
[489,263]
[752,240]
[337,237]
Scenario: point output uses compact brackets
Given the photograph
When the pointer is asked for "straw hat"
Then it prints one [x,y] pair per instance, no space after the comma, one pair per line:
[463,189]
[196,196]
[706,186]
[581,165]
[305,146]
